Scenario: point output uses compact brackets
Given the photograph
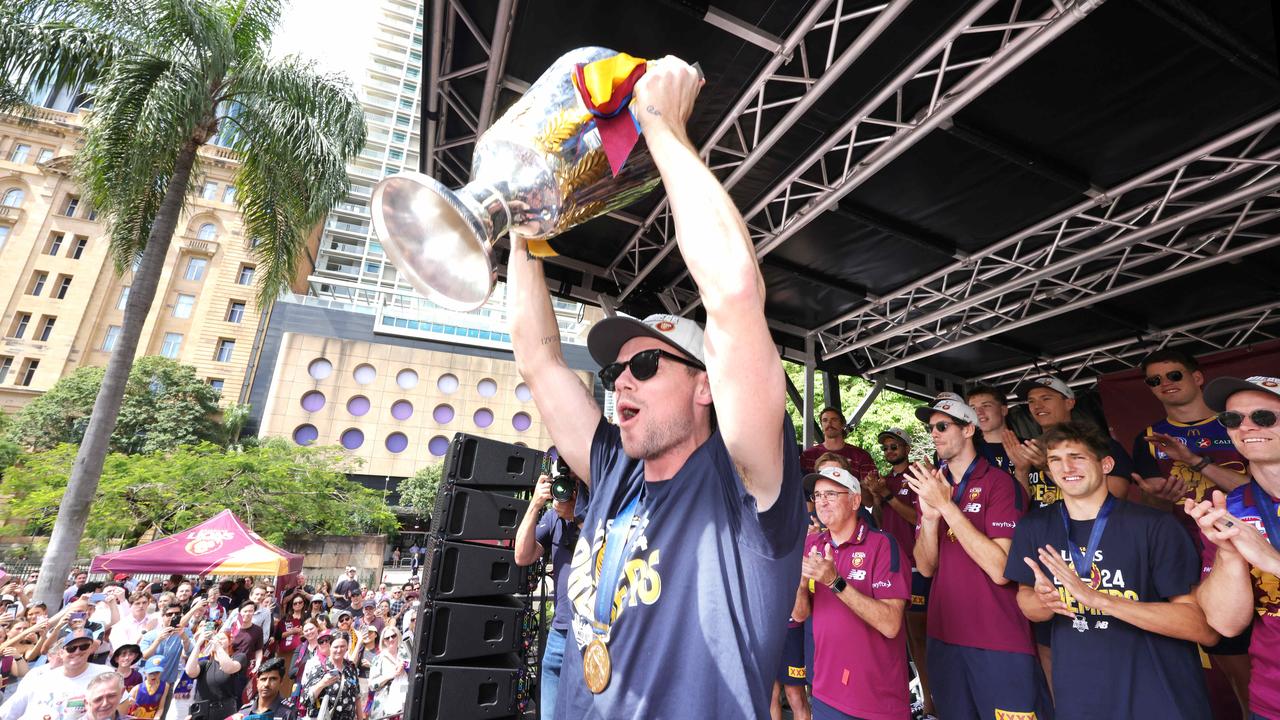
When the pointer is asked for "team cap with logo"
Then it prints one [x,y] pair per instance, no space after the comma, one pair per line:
[609,335]
[898,433]
[957,409]
[837,475]
[1219,389]
[1050,382]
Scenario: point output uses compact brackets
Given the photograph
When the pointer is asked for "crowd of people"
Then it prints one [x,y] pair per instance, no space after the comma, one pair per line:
[204,649]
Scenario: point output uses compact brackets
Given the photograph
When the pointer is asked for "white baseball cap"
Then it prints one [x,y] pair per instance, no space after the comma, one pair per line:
[896,432]
[837,475]
[609,335]
[1050,382]
[947,396]
[957,409]
[1219,389]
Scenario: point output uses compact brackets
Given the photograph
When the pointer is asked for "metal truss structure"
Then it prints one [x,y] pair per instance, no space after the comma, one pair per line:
[1219,332]
[962,63]
[1202,209]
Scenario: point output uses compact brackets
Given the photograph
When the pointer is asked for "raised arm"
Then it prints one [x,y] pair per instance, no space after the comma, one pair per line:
[745,372]
[527,548]
[564,403]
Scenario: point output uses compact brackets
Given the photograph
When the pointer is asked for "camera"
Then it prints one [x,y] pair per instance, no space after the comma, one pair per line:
[563,484]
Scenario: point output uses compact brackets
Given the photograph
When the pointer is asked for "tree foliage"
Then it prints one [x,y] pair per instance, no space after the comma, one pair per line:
[165,405]
[890,409]
[276,488]
[419,491]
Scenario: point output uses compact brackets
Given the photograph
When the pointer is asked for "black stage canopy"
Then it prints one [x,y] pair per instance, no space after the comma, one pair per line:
[939,191]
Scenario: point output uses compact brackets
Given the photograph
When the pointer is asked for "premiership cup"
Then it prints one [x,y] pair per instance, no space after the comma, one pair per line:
[538,171]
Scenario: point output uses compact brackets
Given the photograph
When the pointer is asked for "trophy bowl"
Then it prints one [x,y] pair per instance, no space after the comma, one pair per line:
[538,171]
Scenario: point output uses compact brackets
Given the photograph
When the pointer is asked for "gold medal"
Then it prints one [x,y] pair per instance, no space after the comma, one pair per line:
[596,666]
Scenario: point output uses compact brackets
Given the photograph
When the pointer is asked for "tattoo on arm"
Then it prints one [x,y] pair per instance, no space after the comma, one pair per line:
[653,111]
[547,340]
[528,254]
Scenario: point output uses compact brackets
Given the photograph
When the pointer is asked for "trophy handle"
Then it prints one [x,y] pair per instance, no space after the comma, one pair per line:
[440,239]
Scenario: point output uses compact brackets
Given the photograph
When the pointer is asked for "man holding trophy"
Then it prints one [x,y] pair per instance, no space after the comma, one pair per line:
[680,580]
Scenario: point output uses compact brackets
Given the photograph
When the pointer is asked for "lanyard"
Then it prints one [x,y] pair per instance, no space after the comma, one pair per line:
[964,480]
[616,545]
[1267,509]
[1085,562]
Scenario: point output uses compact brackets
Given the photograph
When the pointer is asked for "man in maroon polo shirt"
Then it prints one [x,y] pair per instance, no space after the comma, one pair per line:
[855,582]
[981,657]
[833,433]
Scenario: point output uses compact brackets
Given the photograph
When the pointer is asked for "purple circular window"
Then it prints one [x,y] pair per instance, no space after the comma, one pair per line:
[447,383]
[319,369]
[358,405]
[487,387]
[442,414]
[305,434]
[439,445]
[402,409]
[523,393]
[364,373]
[483,418]
[521,421]
[397,442]
[312,401]
[352,438]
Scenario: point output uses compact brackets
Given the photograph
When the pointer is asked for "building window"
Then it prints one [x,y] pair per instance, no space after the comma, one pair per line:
[406,103]
[28,372]
[395,154]
[37,283]
[402,121]
[210,190]
[46,328]
[183,305]
[45,156]
[411,71]
[195,269]
[172,345]
[19,327]
[78,249]
[123,299]
[91,213]
[217,384]
[235,312]
[109,340]
[226,346]
[399,136]
[13,197]
[207,231]
[64,284]
[54,244]
[246,275]
[69,207]
[20,153]
[4,234]
[6,366]
[229,194]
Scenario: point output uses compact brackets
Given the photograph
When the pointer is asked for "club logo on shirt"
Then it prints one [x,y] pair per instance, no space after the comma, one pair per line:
[1011,715]
[858,559]
[974,493]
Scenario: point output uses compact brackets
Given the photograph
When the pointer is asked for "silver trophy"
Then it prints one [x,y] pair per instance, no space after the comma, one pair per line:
[538,171]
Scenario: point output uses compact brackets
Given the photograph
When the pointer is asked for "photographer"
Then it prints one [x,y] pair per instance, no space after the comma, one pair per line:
[558,530]
[220,676]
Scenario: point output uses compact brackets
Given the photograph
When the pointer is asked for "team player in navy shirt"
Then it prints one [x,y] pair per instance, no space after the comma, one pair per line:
[992,409]
[1244,587]
[1115,582]
[685,572]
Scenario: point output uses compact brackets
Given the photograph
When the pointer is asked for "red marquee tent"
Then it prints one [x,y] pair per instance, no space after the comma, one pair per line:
[221,545]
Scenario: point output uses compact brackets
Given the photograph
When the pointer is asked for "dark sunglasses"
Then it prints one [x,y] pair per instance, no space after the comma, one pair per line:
[942,425]
[1261,418]
[643,364]
[324,640]
[1172,376]
[78,648]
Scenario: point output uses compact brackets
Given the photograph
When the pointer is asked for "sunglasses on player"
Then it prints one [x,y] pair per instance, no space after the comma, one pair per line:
[1232,420]
[942,425]
[643,364]
[1172,376]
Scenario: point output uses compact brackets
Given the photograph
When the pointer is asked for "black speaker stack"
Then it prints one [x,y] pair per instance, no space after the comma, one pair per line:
[477,643]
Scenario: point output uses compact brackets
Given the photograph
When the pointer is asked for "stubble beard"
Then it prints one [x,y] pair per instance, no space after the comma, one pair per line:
[655,439]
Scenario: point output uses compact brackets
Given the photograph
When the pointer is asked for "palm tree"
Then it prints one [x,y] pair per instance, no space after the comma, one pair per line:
[165,77]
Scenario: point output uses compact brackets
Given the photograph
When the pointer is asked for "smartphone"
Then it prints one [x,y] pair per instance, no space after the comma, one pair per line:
[97,597]
[175,621]
[78,616]
[210,626]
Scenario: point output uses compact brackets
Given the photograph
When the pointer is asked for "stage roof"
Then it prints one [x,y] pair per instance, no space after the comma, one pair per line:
[938,191]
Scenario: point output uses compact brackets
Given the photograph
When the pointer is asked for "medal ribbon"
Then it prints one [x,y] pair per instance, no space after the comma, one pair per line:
[964,480]
[617,543]
[1267,509]
[1085,561]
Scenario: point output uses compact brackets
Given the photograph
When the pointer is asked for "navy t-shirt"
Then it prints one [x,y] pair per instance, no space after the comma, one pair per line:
[701,610]
[1045,492]
[1114,669]
[995,454]
[560,536]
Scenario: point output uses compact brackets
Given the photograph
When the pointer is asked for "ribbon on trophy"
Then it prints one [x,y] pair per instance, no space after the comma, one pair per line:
[605,87]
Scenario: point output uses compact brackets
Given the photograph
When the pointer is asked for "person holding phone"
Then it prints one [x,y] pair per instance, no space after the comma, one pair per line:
[220,672]
[331,689]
